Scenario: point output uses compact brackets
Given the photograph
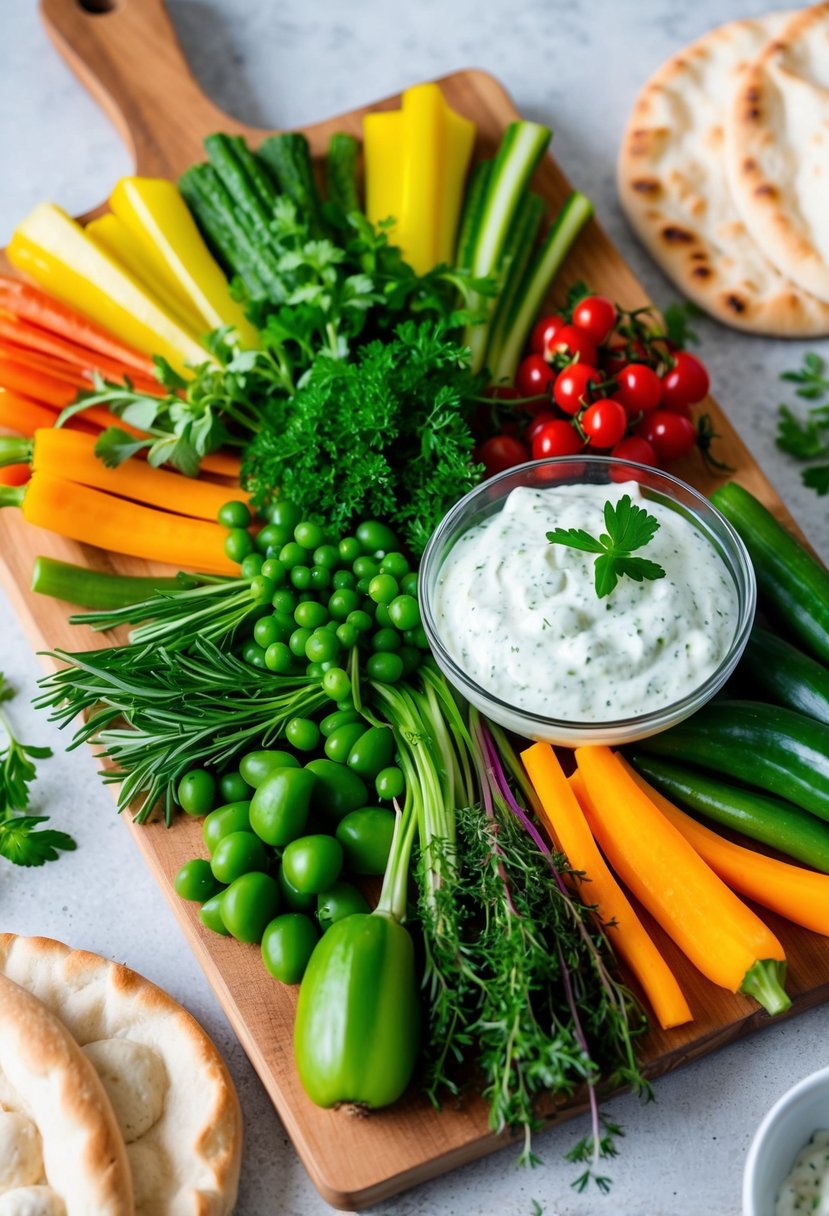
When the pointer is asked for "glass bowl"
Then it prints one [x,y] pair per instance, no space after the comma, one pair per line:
[488,499]
[786,1129]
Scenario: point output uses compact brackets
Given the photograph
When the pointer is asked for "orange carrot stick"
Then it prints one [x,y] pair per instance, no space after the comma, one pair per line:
[21,415]
[721,936]
[41,309]
[94,517]
[79,370]
[566,823]
[794,892]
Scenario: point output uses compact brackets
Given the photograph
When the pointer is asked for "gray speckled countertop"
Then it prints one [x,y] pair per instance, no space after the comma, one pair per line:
[576,67]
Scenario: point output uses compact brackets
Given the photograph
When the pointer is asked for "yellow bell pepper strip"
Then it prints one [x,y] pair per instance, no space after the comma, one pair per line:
[721,936]
[61,452]
[56,252]
[94,517]
[564,820]
[798,894]
[416,160]
[114,237]
[158,217]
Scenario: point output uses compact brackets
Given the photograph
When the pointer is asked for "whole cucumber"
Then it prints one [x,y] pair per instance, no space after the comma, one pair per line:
[782,673]
[766,746]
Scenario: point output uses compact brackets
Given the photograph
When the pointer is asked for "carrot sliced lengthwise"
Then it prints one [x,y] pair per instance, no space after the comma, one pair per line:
[96,518]
[722,937]
[798,894]
[566,823]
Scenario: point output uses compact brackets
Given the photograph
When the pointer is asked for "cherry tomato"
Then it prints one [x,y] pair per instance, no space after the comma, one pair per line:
[686,383]
[557,438]
[572,386]
[537,422]
[633,447]
[604,422]
[638,388]
[572,343]
[671,435]
[543,333]
[534,376]
[596,315]
[502,452]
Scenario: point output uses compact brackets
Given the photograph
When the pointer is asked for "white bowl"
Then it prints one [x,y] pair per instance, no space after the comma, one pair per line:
[786,1129]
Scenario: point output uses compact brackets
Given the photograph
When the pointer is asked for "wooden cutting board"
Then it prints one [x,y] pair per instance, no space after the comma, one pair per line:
[130,59]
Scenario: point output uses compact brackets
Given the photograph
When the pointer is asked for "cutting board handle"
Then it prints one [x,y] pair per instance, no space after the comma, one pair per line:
[127,54]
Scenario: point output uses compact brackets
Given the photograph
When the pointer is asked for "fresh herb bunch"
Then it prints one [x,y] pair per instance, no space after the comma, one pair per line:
[807,438]
[385,436]
[629,527]
[22,838]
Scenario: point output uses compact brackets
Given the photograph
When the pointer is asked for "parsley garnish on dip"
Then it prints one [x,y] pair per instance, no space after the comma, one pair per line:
[544,627]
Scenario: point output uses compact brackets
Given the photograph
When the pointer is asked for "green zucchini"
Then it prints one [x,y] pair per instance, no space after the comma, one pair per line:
[341,172]
[288,157]
[791,583]
[766,746]
[781,673]
[537,282]
[769,821]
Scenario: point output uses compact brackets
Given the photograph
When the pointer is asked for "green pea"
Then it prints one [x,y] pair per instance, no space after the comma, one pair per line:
[312,863]
[266,631]
[270,539]
[195,880]
[252,565]
[279,807]
[238,544]
[308,534]
[287,945]
[404,612]
[386,639]
[341,900]
[395,564]
[298,641]
[343,580]
[372,751]
[320,579]
[233,787]
[234,514]
[278,658]
[249,904]
[375,537]
[410,657]
[256,766]
[347,635]
[341,602]
[302,733]
[386,667]
[300,577]
[365,567]
[292,555]
[408,584]
[311,614]
[365,836]
[322,646]
[340,717]
[236,854]
[284,602]
[262,589]
[253,653]
[381,617]
[336,683]
[296,901]
[196,792]
[273,569]
[349,549]
[210,914]
[339,743]
[337,790]
[284,513]
[389,783]
[361,620]
[234,817]
[383,588]
[314,671]
[327,556]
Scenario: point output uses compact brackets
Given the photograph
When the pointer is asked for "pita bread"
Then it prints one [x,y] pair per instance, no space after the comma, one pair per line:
[674,190]
[777,149]
[172,1095]
[63,1154]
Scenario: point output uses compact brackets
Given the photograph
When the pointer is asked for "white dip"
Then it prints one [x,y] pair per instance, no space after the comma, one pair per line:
[522,618]
[806,1190]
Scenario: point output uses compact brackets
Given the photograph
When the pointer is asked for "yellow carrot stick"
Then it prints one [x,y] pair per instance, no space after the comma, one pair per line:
[722,937]
[564,820]
[798,894]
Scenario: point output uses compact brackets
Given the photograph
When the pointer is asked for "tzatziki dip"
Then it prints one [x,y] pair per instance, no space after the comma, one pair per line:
[522,618]
[806,1189]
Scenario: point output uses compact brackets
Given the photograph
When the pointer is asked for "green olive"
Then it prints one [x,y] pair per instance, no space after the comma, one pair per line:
[195,880]
[340,900]
[234,817]
[279,807]
[365,836]
[210,914]
[236,854]
[312,863]
[233,787]
[256,766]
[287,944]
[249,904]
[196,792]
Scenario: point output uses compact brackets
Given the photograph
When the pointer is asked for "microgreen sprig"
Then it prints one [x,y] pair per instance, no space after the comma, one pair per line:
[629,527]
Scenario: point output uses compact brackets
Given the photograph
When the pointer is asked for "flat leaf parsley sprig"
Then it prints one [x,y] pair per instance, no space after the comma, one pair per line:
[629,527]
[808,438]
[22,839]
